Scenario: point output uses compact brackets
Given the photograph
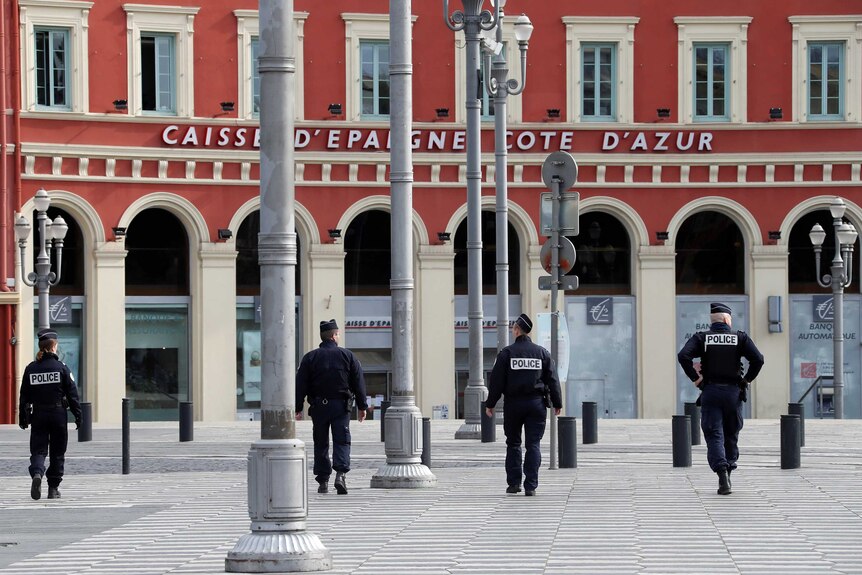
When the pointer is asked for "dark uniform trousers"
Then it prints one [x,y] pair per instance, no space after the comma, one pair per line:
[48,434]
[721,421]
[531,413]
[332,415]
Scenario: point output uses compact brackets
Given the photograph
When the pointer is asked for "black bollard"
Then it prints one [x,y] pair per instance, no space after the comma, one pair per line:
[426,441]
[790,458]
[187,421]
[567,442]
[489,427]
[590,422]
[126,436]
[798,409]
[681,441]
[384,405]
[693,411]
[85,430]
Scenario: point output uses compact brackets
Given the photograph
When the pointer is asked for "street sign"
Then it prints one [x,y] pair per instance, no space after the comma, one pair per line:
[567,255]
[566,283]
[569,208]
[559,167]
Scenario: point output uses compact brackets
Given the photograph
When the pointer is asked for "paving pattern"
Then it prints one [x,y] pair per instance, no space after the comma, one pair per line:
[624,510]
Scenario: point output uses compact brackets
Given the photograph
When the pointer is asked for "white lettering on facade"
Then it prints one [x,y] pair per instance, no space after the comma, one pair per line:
[662,138]
[191,137]
[332,142]
[526,140]
[166,138]
[525,363]
[458,140]
[240,138]
[301,139]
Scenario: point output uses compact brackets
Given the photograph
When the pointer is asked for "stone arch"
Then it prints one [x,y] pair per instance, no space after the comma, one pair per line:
[182,208]
[853,212]
[519,219]
[380,202]
[740,215]
[627,215]
[304,223]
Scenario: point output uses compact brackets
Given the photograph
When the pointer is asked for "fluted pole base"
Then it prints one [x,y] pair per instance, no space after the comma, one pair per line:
[474,395]
[403,468]
[277,552]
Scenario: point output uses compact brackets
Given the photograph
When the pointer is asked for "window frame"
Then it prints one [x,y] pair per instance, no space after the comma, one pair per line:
[51,69]
[826,29]
[728,80]
[825,89]
[375,45]
[248,31]
[171,108]
[72,16]
[731,31]
[597,117]
[587,30]
[164,20]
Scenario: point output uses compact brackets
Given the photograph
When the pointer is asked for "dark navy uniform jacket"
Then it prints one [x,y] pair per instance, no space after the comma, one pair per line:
[523,369]
[46,383]
[330,372]
[720,350]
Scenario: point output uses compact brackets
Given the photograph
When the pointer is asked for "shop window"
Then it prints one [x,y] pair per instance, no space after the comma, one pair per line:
[802,273]
[710,82]
[52,68]
[489,257]
[710,255]
[598,85]
[826,81]
[157,262]
[368,260]
[374,60]
[160,56]
[603,249]
[54,48]
[247,263]
[710,50]
[600,67]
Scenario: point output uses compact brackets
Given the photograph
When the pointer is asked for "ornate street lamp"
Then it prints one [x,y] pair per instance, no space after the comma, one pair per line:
[472,20]
[51,236]
[839,278]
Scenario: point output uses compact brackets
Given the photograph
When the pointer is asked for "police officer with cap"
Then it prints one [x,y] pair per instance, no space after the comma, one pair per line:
[723,387]
[47,389]
[331,377]
[525,374]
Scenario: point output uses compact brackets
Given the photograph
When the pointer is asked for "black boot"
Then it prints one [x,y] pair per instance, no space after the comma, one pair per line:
[340,483]
[323,487]
[53,492]
[723,483]
[36,487]
[729,471]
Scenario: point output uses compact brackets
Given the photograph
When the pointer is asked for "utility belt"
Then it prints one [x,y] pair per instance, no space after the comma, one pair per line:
[54,405]
[346,401]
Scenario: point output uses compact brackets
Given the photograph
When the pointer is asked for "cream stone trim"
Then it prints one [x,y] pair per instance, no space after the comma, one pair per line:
[847,29]
[747,223]
[177,20]
[513,59]
[183,209]
[377,202]
[853,212]
[619,30]
[732,30]
[72,15]
[358,27]
[248,27]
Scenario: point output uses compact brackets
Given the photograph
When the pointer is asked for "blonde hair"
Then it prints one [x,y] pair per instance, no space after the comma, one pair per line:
[720,318]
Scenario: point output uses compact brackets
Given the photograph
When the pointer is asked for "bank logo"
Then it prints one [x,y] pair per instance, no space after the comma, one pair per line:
[600,310]
[808,370]
[60,309]
[824,308]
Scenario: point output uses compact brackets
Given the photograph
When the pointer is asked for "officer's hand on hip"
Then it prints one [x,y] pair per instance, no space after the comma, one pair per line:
[698,381]
[557,411]
[298,415]
[361,415]
[489,411]
[23,425]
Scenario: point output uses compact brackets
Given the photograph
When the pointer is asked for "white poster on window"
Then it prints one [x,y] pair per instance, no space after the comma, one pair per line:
[251,365]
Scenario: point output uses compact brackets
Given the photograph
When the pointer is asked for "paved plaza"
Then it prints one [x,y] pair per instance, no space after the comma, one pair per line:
[625,509]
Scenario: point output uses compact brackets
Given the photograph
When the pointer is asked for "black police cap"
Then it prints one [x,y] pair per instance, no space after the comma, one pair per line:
[46,334]
[524,323]
[328,325]
[719,308]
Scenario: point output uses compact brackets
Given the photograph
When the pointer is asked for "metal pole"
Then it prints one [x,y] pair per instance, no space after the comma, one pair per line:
[403,467]
[489,427]
[798,409]
[187,421]
[790,453]
[426,442]
[681,429]
[85,430]
[555,288]
[589,416]
[693,411]
[43,271]
[568,447]
[277,467]
[126,437]
[838,331]
[501,196]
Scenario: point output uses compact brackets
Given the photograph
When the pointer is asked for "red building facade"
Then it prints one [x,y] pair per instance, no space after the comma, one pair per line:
[709,140]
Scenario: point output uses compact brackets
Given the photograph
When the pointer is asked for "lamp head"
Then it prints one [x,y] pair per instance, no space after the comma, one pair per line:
[837,207]
[22,228]
[502,3]
[41,200]
[846,234]
[59,228]
[523,29]
[817,235]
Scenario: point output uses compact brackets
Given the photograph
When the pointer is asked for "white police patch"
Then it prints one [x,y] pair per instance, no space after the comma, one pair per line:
[720,339]
[43,378]
[525,363]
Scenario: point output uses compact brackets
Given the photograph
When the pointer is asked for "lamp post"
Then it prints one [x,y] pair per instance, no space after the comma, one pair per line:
[839,278]
[499,86]
[472,20]
[50,233]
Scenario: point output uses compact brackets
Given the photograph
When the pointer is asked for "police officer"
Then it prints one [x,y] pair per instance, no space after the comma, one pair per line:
[723,387]
[525,374]
[46,390]
[331,377]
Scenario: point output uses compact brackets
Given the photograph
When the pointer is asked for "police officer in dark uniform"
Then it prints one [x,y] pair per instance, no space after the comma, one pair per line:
[723,387]
[331,377]
[525,374]
[47,389]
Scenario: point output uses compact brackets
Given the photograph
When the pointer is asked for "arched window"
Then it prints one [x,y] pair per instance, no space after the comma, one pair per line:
[247,263]
[489,257]
[710,255]
[158,255]
[368,260]
[603,255]
[801,262]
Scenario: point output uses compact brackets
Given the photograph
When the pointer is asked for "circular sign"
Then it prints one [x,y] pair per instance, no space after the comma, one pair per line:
[567,255]
[560,167]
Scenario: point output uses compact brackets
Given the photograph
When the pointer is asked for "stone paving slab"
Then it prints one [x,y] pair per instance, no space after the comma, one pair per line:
[624,510]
